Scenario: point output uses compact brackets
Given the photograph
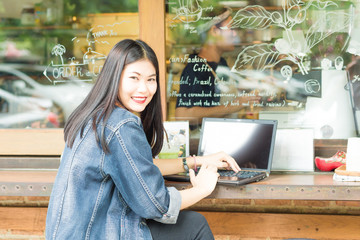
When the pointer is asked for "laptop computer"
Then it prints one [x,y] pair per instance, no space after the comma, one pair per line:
[249,141]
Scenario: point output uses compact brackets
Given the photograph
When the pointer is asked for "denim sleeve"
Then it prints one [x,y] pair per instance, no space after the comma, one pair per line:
[140,182]
[174,207]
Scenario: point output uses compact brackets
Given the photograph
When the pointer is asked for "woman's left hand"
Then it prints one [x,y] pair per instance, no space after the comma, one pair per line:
[220,160]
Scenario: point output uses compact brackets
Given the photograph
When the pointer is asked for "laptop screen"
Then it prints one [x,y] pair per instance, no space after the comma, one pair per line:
[249,141]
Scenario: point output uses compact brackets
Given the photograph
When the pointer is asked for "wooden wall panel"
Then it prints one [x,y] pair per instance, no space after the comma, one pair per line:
[283,226]
[31,141]
[24,221]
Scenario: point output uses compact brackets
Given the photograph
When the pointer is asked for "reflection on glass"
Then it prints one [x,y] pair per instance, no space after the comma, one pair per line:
[258,59]
[32,92]
[50,54]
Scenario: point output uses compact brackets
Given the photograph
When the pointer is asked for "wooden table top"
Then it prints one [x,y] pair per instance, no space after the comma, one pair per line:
[307,186]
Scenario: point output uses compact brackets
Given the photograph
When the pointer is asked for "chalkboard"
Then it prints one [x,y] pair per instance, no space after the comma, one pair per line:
[353,71]
[301,86]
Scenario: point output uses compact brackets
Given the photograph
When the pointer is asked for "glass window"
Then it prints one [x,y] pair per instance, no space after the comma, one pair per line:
[51,52]
[283,60]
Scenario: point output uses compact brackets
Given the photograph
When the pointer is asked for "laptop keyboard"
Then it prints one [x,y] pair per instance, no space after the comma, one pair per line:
[240,174]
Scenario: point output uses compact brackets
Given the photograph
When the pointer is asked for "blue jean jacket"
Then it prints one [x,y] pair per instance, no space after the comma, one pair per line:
[109,196]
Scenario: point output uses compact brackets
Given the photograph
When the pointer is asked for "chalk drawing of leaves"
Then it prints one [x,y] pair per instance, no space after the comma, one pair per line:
[252,17]
[324,4]
[315,34]
[259,57]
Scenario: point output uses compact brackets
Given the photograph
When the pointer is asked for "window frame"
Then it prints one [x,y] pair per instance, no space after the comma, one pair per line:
[50,142]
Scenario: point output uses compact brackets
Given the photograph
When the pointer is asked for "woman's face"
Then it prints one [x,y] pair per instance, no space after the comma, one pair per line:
[137,85]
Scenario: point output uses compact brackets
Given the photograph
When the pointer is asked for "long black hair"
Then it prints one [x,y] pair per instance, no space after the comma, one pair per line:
[101,100]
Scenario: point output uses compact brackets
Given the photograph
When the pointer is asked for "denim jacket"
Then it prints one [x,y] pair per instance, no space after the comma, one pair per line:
[109,196]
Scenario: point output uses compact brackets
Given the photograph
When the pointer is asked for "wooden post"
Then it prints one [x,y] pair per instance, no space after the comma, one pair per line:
[152,31]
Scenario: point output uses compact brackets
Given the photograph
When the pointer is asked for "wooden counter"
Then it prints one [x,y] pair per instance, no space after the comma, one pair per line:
[293,205]
[296,186]
[300,186]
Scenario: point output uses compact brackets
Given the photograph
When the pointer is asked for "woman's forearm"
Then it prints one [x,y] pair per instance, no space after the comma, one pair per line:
[191,196]
[203,184]
[173,166]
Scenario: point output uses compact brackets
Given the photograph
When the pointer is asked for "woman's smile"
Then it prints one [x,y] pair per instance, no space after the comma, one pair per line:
[139,100]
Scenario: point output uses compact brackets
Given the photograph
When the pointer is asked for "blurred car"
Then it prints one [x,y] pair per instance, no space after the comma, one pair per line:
[29,80]
[25,112]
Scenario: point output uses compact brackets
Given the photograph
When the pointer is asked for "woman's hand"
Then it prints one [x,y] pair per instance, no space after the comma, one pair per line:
[220,160]
[205,181]
[203,185]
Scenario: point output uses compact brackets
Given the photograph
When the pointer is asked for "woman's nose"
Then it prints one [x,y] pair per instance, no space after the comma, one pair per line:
[143,86]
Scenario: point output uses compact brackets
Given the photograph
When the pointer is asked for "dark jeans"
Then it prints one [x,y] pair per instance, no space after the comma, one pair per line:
[189,226]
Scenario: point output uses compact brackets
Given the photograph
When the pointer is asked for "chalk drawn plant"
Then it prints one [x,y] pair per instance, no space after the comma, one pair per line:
[189,11]
[59,50]
[288,48]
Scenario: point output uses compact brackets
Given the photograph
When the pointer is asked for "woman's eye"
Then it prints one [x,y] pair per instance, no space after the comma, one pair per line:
[151,79]
[133,77]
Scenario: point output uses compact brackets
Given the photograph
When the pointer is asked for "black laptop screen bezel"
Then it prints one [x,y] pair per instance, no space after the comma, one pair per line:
[272,123]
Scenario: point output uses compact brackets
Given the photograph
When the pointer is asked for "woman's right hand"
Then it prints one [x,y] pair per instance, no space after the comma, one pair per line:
[205,181]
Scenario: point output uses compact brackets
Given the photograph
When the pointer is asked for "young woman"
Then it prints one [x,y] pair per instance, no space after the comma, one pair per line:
[108,186]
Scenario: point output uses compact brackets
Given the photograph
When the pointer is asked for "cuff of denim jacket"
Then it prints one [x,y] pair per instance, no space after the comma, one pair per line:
[170,217]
